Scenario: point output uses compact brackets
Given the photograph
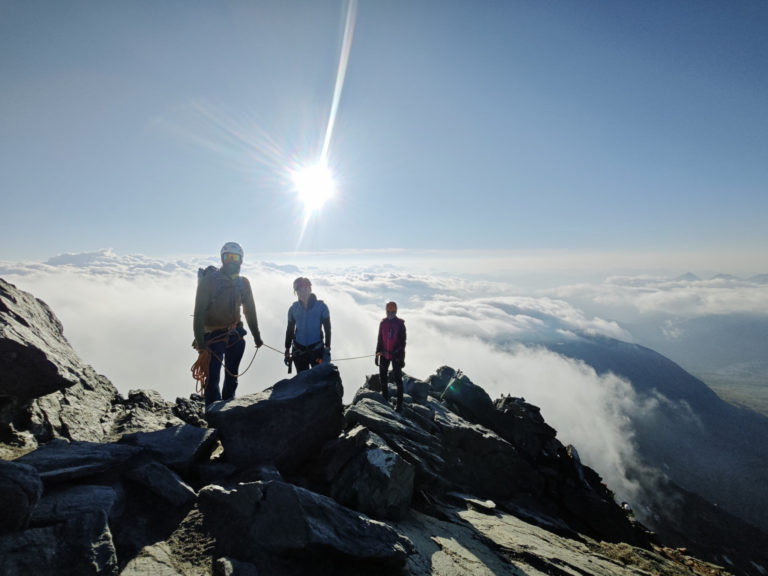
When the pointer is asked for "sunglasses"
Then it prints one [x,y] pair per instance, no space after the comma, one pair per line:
[229,257]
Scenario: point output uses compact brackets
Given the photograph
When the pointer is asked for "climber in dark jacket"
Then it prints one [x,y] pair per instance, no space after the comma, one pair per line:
[217,324]
[391,348]
[308,336]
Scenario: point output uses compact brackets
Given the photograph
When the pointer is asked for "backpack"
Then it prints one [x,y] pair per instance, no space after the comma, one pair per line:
[214,271]
[202,272]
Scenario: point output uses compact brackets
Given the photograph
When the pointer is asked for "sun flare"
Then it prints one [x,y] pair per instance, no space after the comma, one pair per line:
[315,186]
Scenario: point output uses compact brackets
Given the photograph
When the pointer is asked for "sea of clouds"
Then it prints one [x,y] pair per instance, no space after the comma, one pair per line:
[130,317]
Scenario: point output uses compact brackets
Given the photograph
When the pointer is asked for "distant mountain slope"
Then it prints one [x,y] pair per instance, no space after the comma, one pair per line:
[711,343]
[701,442]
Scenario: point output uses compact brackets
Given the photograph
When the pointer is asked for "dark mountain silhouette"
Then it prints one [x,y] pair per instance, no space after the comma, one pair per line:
[699,441]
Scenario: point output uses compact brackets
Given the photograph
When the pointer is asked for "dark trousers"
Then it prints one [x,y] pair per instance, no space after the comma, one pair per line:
[306,357]
[230,347]
[397,375]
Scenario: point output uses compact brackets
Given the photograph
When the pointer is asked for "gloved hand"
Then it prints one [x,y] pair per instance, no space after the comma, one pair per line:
[198,348]
[376,359]
[257,340]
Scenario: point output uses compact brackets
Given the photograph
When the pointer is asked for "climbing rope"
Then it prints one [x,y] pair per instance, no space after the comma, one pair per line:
[202,367]
[335,359]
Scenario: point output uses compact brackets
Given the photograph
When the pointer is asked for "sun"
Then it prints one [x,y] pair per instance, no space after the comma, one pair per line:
[315,186]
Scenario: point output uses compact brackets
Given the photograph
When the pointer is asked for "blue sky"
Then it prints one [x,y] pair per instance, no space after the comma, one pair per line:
[170,128]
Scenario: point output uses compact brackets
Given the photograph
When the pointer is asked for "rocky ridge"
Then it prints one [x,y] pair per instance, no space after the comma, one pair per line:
[291,481]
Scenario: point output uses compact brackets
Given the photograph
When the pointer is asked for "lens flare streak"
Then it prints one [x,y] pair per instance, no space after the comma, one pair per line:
[315,183]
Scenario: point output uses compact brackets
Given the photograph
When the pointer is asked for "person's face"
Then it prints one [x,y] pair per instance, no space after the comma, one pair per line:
[391,312]
[231,263]
[303,291]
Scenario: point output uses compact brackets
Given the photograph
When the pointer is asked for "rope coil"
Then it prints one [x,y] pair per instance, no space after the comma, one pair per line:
[201,369]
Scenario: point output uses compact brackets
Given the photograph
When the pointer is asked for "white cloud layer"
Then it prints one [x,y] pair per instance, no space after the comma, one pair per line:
[131,319]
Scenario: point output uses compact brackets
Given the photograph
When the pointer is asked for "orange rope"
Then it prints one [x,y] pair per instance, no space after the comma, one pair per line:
[201,369]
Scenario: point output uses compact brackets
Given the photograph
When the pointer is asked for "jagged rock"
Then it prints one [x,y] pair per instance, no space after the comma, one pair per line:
[71,536]
[337,453]
[377,482]
[416,389]
[191,410]
[20,491]
[284,425]
[162,481]
[60,504]
[178,447]
[231,567]
[452,450]
[156,560]
[62,461]
[522,425]
[482,461]
[142,411]
[80,546]
[35,357]
[418,447]
[253,522]
[82,412]
[465,398]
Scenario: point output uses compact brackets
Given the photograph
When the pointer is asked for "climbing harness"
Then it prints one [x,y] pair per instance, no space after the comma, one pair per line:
[202,367]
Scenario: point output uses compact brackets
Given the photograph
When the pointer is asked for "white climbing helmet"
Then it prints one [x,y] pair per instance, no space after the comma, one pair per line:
[232,248]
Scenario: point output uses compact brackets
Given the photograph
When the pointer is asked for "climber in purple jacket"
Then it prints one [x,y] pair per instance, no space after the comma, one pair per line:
[391,348]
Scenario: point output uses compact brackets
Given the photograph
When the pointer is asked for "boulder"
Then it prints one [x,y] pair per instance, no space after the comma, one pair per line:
[35,357]
[337,453]
[422,449]
[61,461]
[20,491]
[84,412]
[70,536]
[142,411]
[257,521]
[156,559]
[79,546]
[191,410]
[61,504]
[163,482]
[416,389]
[481,461]
[468,400]
[376,481]
[178,447]
[522,425]
[285,425]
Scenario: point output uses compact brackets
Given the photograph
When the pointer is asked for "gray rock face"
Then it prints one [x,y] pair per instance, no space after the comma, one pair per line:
[377,482]
[257,520]
[35,358]
[178,447]
[70,535]
[284,425]
[60,461]
[20,491]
